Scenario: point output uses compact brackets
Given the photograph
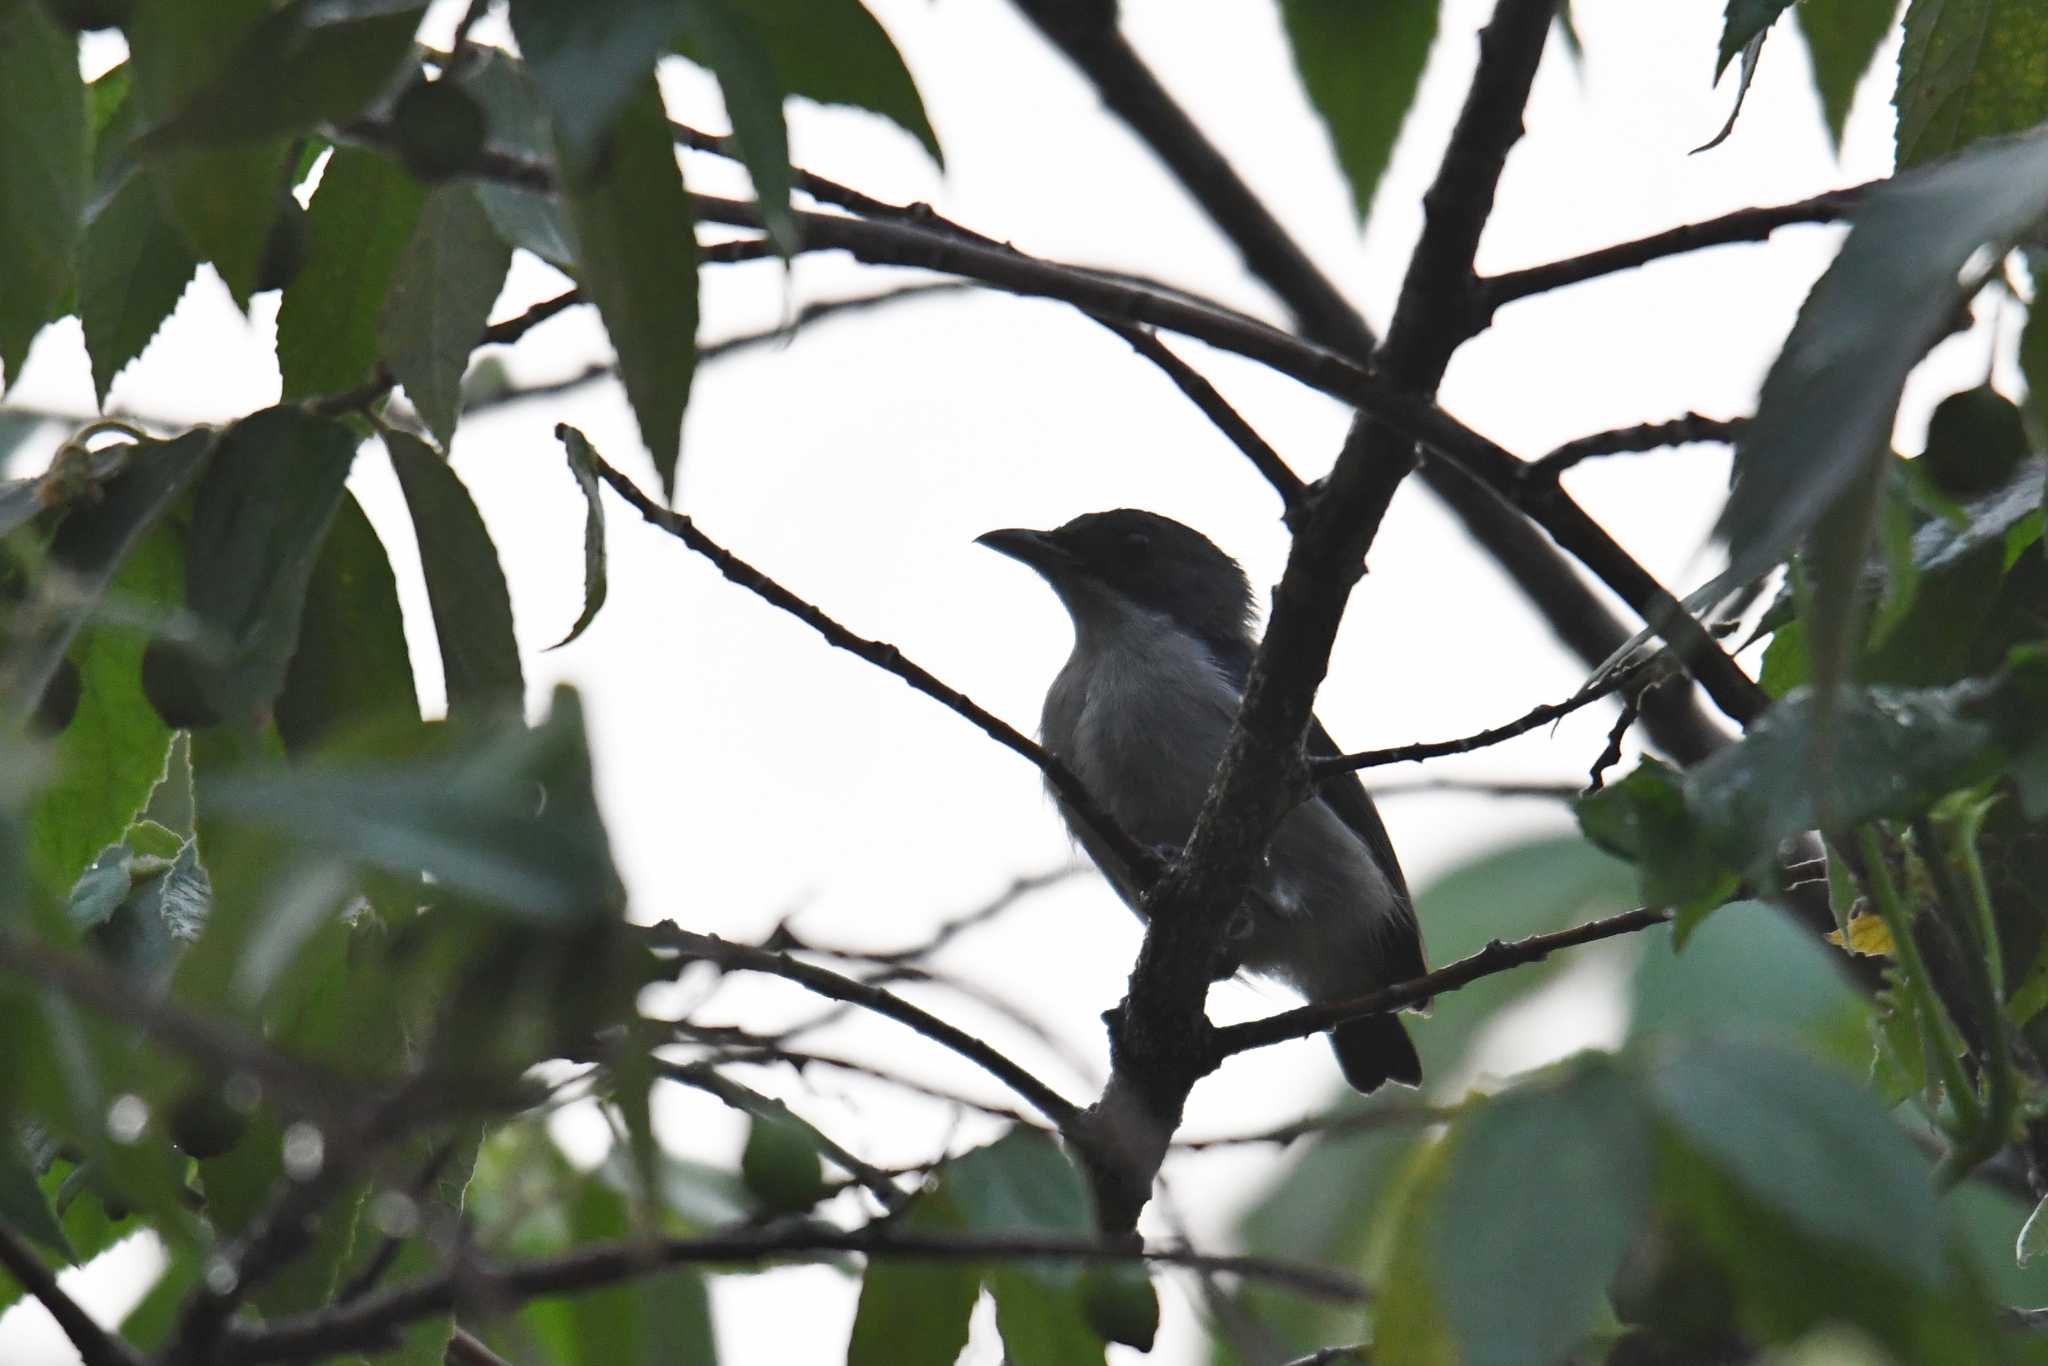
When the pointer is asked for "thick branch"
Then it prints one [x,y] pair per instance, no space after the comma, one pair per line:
[375,1320]
[1496,957]
[746,958]
[96,1346]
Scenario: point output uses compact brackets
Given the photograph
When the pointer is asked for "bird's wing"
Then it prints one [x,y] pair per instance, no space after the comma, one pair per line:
[1347,797]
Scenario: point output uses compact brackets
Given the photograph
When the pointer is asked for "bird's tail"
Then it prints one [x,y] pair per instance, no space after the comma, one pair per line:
[1375,1050]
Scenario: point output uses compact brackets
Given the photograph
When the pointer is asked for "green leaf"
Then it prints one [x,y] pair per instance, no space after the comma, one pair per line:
[1969,69]
[465,586]
[1522,1265]
[1842,38]
[1826,410]
[133,271]
[1645,818]
[1021,1183]
[642,1321]
[510,820]
[727,43]
[23,1206]
[1743,21]
[439,300]
[915,1313]
[308,63]
[1040,1325]
[1361,65]
[259,519]
[637,261]
[1121,1304]
[518,122]
[834,52]
[588,62]
[361,219]
[351,667]
[582,465]
[781,1166]
[44,169]
[112,753]
[1811,1146]
[224,200]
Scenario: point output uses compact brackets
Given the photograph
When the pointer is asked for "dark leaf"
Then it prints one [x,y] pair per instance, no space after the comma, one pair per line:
[1752,51]
[1754,972]
[351,667]
[44,169]
[1121,1304]
[1842,38]
[1646,818]
[637,262]
[1522,1264]
[834,52]
[581,465]
[308,63]
[466,587]
[781,1166]
[1969,69]
[1361,65]
[649,1320]
[915,1313]
[259,520]
[361,219]
[1742,24]
[589,61]
[439,300]
[518,122]
[440,129]
[720,38]
[132,272]
[23,1206]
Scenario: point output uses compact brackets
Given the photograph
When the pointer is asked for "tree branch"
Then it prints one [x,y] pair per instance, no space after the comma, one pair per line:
[1217,409]
[1646,436]
[1496,957]
[96,1346]
[374,1321]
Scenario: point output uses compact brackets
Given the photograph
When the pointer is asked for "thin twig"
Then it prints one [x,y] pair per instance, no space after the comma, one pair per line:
[467,1349]
[704,1077]
[1217,409]
[1646,436]
[769,1054]
[1610,755]
[96,1346]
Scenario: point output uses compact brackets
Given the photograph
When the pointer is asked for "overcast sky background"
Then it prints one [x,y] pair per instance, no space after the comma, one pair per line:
[749,772]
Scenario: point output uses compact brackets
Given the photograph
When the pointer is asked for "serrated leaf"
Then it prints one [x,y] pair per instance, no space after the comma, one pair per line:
[637,261]
[259,519]
[439,300]
[361,219]
[834,52]
[44,169]
[1969,69]
[718,37]
[111,754]
[581,464]
[465,585]
[1842,38]
[351,667]
[223,201]
[307,63]
[131,274]
[1810,1145]
[1361,66]
[1522,1267]
[1827,404]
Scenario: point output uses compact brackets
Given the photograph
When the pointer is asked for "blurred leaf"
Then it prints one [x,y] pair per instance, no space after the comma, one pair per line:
[360,221]
[834,52]
[581,465]
[439,301]
[439,129]
[112,753]
[1827,405]
[1786,666]
[1021,1183]
[1808,1144]
[1868,937]
[717,37]
[131,274]
[307,63]
[510,818]
[1040,1325]
[1522,1266]
[44,169]
[637,261]
[650,1320]
[588,61]
[781,1166]
[1361,65]
[23,1205]
[1976,439]
[1842,37]
[223,200]
[1646,817]
[518,122]
[2033,1235]
[1121,1304]
[351,666]
[1408,1320]
[148,1326]
[915,1313]
[1969,69]
[259,520]
[1743,23]
[2033,353]
[466,587]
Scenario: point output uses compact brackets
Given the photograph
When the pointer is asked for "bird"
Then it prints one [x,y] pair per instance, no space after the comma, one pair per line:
[1141,712]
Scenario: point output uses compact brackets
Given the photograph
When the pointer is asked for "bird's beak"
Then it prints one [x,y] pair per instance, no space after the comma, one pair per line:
[1036,548]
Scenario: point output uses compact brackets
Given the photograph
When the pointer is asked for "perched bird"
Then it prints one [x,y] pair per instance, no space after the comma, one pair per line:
[1141,714]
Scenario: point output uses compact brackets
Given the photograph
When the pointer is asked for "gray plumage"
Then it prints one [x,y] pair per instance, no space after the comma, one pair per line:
[1141,713]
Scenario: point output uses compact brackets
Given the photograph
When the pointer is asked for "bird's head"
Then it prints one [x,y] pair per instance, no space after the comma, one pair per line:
[1104,564]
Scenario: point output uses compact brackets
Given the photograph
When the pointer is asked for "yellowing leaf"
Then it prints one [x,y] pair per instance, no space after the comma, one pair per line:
[1868,937]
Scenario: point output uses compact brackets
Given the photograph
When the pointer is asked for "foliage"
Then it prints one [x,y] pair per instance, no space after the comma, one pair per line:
[291,975]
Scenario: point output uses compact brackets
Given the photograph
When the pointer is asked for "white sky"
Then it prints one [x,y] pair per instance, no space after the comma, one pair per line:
[748,771]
